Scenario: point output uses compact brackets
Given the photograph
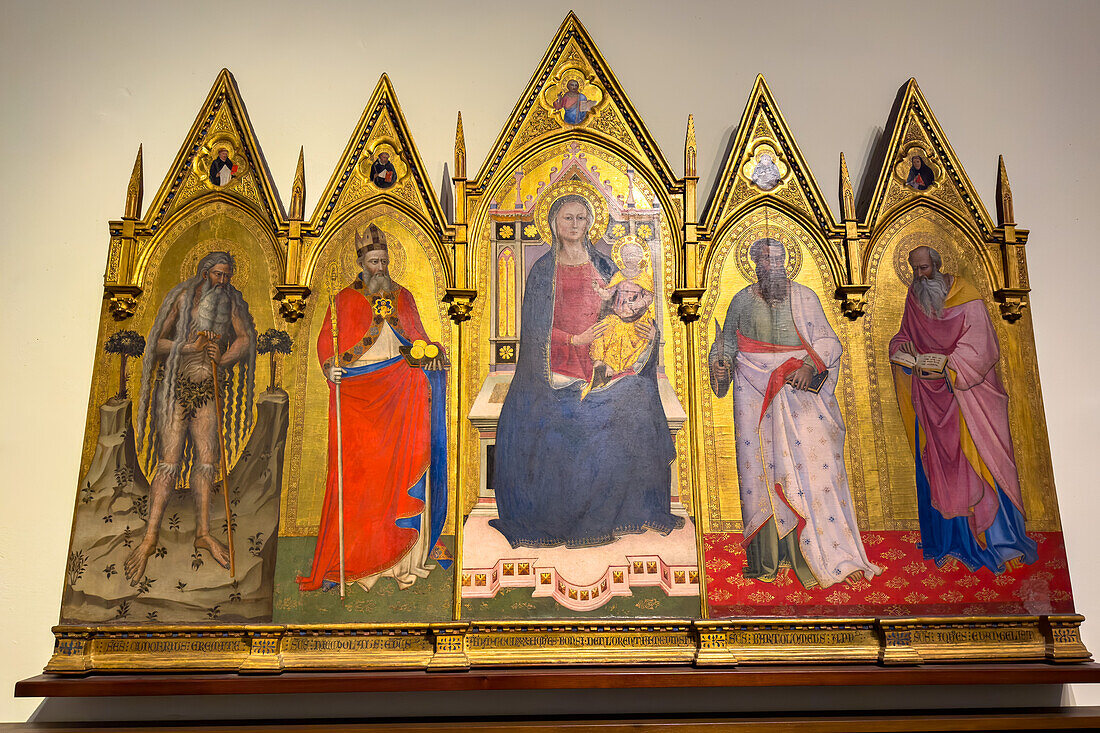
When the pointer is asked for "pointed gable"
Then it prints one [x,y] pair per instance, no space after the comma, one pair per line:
[222,122]
[913,132]
[572,90]
[764,163]
[382,131]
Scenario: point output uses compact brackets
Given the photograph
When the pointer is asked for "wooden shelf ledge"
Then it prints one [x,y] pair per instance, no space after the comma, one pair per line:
[106,684]
[901,721]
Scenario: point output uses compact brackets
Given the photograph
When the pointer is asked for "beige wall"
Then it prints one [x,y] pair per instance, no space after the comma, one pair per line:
[84,83]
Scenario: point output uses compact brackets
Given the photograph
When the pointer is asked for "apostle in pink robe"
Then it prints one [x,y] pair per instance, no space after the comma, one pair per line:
[968,490]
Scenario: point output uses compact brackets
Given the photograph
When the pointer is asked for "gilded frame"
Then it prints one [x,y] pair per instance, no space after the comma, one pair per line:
[461,250]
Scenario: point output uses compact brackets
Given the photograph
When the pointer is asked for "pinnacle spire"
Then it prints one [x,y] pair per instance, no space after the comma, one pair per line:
[460,150]
[1005,214]
[847,196]
[298,192]
[690,149]
[135,190]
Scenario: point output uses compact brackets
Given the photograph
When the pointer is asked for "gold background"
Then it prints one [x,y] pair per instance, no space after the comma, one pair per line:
[894,475]
[416,267]
[878,457]
[537,168]
[171,260]
[722,510]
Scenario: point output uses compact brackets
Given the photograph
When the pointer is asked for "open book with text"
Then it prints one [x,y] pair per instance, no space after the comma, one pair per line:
[926,364]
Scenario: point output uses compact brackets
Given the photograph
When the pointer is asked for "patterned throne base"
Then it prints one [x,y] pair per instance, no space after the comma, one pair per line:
[594,575]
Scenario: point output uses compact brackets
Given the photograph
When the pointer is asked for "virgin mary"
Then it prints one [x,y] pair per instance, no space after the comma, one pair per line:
[572,472]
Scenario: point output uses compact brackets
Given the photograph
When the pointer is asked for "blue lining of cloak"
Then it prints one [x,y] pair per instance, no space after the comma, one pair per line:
[940,537]
[437,468]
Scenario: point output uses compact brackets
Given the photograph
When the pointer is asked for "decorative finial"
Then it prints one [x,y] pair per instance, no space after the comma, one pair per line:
[847,197]
[1004,195]
[690,149]
[460,150]
[134,191]
[298,192]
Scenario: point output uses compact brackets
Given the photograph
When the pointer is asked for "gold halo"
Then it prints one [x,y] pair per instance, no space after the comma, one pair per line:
[616,251]
[349,263]
[595,200]
[190,261]
[920,239]
[745,264]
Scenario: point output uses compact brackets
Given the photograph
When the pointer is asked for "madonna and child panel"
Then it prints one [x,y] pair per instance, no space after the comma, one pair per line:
[583,515]
[558,413]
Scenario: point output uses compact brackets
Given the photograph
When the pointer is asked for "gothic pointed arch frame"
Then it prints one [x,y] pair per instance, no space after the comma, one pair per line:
[681,593]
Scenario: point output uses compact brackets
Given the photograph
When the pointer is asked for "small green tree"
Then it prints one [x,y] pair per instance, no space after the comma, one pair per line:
[125,344]
[273,342]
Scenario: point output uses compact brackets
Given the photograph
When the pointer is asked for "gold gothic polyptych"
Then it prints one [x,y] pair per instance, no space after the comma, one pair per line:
[561,410]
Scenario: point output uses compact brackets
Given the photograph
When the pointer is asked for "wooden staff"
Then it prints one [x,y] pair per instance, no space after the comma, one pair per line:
[339,430]
[225,467]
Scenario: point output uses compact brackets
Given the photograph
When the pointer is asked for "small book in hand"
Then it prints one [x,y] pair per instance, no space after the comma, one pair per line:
[817,380]
[929,365]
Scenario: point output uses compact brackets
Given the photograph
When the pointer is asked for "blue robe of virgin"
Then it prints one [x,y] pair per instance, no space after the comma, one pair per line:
[573,472]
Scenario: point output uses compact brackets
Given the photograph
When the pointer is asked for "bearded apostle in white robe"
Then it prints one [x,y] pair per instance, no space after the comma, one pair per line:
[782,357]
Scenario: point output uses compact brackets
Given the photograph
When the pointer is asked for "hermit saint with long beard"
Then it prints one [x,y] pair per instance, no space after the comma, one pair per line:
[782,357]
[203,322]
[956,415]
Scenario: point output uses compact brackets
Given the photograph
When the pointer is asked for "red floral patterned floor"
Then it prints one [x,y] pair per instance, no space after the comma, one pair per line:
[909,584]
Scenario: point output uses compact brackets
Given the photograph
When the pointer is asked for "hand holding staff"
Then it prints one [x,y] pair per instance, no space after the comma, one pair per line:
[334,376]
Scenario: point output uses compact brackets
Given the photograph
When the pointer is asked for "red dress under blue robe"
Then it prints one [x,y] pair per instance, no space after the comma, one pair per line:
[573,472]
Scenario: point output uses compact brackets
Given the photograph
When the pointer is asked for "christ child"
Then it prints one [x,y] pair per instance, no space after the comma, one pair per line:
[631,322]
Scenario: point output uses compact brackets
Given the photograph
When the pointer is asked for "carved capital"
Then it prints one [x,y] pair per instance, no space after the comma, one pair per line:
[1013,310]
[853,300]
[292,301]
[688,301]
[1012,302]
[292,307]
[460,303]
[688,311]
[122,300]
[853,308]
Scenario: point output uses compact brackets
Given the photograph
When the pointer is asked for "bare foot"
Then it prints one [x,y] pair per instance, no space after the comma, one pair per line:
[135,563]
[217,550]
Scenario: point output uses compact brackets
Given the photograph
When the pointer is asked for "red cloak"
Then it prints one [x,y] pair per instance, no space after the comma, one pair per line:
[385,420]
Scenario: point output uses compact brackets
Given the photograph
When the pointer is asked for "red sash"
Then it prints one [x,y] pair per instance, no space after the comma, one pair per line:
[780,374]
